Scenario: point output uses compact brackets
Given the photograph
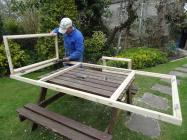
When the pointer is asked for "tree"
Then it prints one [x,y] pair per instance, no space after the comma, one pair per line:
[90,15]
[51,12]
[1,29]
[171,13]
[126,24]
[28,14]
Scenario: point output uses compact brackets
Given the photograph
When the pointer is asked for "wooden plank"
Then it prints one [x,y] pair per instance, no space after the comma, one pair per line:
[175,98]
[34,65]
[52,125]
[115,115]
[86,88]
[96,77]
[9,58]
[22,72]
[89,79]
[56,47]
[99,73]
[51,99]
[101,67]
[103,72]
[121,88]
[60,72]
[121,70]
[116,59]
[104,58]
[69,122]
[99,76]
[29,36]
[103,100]
[90,84]
[43,93]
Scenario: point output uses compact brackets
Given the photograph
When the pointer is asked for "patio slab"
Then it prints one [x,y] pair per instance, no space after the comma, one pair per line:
[181,69]
[146,126]
[155,101]
[178,74]
[162,89]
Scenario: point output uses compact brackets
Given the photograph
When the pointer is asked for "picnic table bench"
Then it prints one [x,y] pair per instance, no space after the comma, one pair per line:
[91,80]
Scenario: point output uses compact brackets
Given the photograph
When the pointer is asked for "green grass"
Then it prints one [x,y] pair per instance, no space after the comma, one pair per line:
[15,94]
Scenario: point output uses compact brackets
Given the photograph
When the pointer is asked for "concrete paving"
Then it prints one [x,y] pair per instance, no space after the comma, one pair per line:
[178,74]
[144,125]
[185,65]
[181,69]
[162,89]
[169,81]
[155,101]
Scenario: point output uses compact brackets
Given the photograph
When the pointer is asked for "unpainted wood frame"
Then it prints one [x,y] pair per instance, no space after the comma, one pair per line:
[60,72]
[173,119]
[32,67]
[175,95]
[123,85]
[104,58]
[175,98]
[176,118]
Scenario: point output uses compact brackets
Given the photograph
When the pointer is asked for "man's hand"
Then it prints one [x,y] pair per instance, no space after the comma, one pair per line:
[65,59]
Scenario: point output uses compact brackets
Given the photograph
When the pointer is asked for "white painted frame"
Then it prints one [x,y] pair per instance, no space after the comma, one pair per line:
[175,118]
[32,67]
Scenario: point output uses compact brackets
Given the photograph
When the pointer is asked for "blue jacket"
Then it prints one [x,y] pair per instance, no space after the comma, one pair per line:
[73,44]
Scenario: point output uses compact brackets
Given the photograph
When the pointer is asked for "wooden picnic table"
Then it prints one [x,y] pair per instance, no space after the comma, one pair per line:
[91,80]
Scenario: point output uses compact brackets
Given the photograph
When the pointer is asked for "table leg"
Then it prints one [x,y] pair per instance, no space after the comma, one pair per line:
[115,115]
[42,96]
[129,98]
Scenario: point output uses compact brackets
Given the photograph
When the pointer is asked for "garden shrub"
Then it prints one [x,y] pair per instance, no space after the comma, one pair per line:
[141,58]
[45,48]
[11,26]
[95,47]
[19,57]
[171,48]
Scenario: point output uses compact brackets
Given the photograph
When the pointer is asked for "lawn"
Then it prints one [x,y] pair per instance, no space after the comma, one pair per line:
[15,94]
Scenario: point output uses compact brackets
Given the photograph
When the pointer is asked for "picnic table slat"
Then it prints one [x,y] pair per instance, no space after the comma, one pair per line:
[52,125]
[82,82]
[89,79]
[89,89]
[98,74]
[69,122]
[104,72]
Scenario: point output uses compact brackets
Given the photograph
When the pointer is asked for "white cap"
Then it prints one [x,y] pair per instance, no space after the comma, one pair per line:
[185,7]
[64,25]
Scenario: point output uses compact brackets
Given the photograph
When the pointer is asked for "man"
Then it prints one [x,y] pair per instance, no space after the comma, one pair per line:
[73,40]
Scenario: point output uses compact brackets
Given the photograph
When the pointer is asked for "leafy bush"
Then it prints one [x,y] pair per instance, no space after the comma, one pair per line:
[45,48]
[51,12]
[171,48]
[19,57]
[96,47]
[141,58]
[11,26]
